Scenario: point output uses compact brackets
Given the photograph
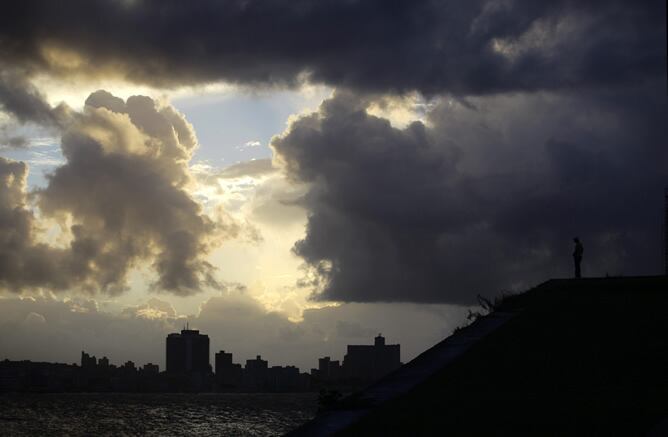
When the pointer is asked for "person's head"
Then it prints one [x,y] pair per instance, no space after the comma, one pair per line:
[576,240]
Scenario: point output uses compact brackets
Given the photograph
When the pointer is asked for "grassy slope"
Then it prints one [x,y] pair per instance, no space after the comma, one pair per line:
[583,357]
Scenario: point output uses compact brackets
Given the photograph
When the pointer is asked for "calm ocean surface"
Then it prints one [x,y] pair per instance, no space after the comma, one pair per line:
[154,414]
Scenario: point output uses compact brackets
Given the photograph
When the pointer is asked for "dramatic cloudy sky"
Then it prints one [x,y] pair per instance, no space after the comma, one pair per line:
[294,176]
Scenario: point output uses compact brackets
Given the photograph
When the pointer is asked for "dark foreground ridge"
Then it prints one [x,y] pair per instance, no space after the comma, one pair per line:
[582,356]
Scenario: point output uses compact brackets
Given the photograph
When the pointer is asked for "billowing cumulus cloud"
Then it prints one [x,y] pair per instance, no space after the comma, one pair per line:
[473,47]
[484,197]
[153,309]
[123,193]
[23,261]
[556,129]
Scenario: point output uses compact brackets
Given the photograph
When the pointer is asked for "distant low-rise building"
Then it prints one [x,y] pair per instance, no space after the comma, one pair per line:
[150,369]
[228,374]
[27,376]
[87,361]
[255,374]
[283,379]
[368,363]
[328,370]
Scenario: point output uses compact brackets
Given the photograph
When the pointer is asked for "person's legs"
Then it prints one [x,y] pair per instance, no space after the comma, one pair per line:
[578,273]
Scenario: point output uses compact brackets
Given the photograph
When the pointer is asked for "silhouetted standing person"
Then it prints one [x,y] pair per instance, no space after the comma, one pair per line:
[577,256]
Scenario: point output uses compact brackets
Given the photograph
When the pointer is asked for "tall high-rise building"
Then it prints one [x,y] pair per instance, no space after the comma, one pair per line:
[188,352]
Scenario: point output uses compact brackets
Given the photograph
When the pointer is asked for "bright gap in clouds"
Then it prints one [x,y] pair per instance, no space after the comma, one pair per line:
[234,127]
[233,124]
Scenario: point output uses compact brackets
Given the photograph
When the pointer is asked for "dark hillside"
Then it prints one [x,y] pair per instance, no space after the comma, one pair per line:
[585,357]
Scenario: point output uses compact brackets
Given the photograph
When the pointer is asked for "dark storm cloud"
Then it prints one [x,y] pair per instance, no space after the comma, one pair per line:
[25,262]
[16,222]
[564,137]
[15,142]
[123,193]
[485,198]
[21,99]
[430,46]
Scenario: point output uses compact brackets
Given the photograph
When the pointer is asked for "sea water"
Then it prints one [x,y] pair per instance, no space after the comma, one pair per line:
[87,414]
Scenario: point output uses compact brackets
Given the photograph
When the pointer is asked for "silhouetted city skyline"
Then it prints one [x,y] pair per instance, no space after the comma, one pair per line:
[189,369]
